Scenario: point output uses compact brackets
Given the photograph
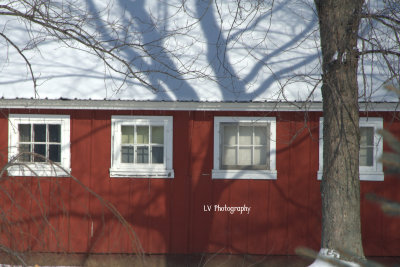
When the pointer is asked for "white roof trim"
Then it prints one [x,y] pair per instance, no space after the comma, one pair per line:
[180,105]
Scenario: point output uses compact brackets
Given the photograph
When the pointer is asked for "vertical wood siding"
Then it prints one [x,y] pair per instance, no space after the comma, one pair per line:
[168,215]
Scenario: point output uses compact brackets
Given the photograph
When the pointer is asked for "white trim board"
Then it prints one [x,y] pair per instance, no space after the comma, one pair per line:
[139,170]
[41,169]
[270,174]
[189,105]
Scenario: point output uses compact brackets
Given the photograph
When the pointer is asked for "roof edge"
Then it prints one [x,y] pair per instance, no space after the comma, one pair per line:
[180,105]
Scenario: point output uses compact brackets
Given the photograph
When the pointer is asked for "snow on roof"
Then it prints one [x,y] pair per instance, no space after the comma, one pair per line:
[199,51]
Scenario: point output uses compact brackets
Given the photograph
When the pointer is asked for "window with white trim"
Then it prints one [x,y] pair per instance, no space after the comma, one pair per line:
[244,148]
[371,148]
[141,147]
[39,145]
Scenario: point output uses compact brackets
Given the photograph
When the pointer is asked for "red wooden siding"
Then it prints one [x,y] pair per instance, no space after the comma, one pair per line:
[168,215]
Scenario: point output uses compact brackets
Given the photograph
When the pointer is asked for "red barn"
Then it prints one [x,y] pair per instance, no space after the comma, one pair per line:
[188,177]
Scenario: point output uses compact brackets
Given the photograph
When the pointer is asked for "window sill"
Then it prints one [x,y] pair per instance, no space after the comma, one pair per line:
[38,170]
[141,173]
[244,174]
[365,175]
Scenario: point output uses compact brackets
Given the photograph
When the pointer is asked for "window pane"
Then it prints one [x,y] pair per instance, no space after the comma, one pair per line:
[245,135]
[127,154]
[127,133]
[41,150]
[260,155]
[366,136]
[55,133]
[157,135]
[245,156]
[230,133]
[24,132]
[26,149]
[142,154]
[229,156]
[260,135]
[39,131]
[157,155]
[366,156]
[142,134]
[55,153]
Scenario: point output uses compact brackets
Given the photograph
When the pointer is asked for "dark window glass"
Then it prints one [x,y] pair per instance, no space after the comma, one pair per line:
[41,150]
[25,150]
[142,155]
[39,131]
[127,154]
[55,133]
[55,153]
[24,132]
[157,155]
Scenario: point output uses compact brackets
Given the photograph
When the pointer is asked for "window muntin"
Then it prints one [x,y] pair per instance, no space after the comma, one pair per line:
[244,148]
[371,148]
[142,146]
[41,139]
[366,146]
[35,141]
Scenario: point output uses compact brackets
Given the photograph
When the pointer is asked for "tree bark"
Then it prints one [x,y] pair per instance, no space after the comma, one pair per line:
[340,188]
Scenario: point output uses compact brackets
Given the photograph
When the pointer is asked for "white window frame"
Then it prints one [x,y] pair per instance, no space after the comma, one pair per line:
[367,173]
[218,173]
[42,169]
[133,170]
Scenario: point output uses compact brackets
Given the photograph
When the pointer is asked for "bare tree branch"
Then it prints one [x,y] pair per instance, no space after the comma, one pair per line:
[21,53]
[380,51]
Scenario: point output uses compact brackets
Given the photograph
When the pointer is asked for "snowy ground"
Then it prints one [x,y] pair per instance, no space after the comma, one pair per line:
[328,258]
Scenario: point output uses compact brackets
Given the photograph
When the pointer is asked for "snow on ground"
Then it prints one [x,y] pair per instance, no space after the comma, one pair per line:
[328,257]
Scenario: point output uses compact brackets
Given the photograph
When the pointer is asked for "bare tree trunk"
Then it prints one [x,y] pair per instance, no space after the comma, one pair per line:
[341,227]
